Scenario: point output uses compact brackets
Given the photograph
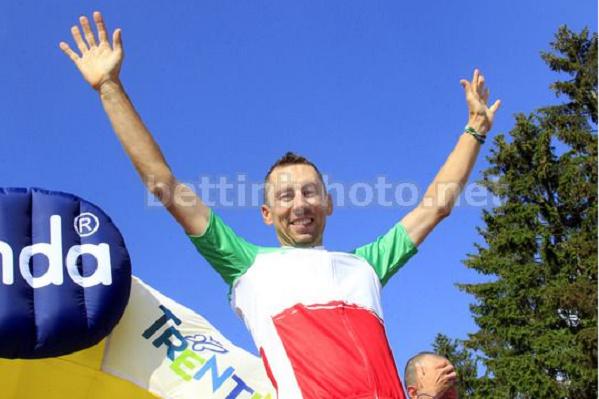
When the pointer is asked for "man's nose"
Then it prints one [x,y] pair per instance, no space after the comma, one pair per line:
[300,203]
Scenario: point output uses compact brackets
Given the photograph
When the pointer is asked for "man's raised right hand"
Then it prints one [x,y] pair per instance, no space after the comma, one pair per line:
[99,62]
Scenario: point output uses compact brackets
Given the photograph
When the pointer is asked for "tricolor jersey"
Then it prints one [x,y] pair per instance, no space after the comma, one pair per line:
[315,315]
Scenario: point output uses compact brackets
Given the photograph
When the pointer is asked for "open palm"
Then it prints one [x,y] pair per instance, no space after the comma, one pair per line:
[98,61]
[477,97]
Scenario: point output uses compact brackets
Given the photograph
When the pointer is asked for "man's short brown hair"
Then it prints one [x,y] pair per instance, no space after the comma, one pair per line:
[291,158]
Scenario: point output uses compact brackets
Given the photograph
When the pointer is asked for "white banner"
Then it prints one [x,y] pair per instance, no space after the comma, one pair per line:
[175,353]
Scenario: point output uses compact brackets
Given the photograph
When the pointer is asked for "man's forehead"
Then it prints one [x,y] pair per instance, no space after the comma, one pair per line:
[432,360]
[291,175]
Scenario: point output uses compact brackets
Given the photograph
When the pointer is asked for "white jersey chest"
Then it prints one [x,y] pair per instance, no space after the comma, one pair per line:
[279,280]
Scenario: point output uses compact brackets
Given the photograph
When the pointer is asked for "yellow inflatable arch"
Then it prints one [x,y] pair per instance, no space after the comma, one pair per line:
[76,376]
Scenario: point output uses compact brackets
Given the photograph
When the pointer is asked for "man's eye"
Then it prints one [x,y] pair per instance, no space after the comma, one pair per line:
[285,197]
[310,192]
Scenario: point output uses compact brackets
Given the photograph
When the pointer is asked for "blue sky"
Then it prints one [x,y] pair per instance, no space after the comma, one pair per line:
[366,89]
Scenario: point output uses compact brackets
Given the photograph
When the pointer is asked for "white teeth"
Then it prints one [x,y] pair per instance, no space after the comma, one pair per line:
[302,222]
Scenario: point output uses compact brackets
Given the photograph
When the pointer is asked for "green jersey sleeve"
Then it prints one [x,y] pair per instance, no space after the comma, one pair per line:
[229,254]
[388,252]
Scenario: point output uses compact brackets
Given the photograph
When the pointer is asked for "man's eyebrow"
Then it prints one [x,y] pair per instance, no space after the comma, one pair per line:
[291,187]
[310,185]
[283,189]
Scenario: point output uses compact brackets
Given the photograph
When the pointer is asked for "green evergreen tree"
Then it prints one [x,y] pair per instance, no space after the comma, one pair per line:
[537,314]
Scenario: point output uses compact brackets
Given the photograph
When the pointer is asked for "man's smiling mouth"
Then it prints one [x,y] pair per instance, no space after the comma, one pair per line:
[302,221]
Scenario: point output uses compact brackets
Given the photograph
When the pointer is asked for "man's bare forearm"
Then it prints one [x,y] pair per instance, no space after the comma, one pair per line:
[186,207]
[134,136]
[444,190]
[453,175]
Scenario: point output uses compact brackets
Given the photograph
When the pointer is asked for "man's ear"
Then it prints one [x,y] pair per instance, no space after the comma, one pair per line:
[412,392]
[266,214]
[329,205]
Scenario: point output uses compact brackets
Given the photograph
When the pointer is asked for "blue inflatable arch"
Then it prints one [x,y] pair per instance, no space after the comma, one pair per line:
[65,273]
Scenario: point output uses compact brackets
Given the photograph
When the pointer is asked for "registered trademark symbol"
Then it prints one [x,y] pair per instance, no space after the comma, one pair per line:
[86,224]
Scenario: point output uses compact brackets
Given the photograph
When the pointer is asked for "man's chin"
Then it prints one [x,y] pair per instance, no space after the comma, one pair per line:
[305,241]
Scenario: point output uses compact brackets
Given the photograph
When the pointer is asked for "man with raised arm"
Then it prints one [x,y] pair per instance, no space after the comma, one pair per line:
[315,315]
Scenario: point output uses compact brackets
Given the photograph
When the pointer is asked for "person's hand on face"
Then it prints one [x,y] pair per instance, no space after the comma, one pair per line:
[436,379]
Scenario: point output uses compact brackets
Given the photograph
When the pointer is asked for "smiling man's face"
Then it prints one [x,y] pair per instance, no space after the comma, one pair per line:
[297,205]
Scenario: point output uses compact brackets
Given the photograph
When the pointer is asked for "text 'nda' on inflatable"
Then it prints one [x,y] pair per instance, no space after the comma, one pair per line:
[65,274]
